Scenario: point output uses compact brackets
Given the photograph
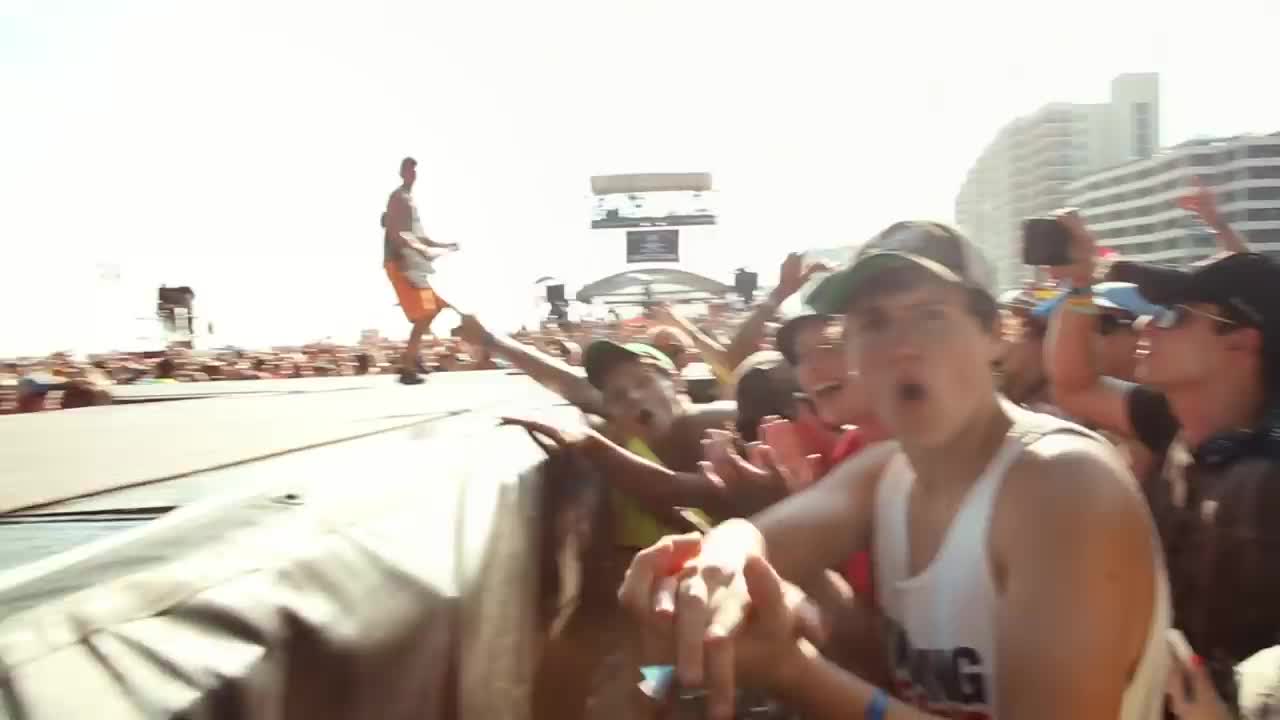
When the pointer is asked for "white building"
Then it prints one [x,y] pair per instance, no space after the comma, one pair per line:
[1026,170]
[1132,207]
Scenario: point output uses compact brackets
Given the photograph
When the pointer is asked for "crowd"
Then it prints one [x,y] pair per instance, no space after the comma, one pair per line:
[64,381]
[935,501]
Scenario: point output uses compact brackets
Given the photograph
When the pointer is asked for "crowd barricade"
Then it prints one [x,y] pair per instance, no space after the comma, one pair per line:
[416,577]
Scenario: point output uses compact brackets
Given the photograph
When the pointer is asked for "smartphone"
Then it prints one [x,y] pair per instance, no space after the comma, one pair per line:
[1045,242]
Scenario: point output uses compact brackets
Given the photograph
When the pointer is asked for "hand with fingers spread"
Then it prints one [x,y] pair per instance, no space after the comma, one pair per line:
[777,467]
[786,452]
[754,484]
[698,587]
[778,630]
[1201,200]
[564,437]
[793,275]
[701,597]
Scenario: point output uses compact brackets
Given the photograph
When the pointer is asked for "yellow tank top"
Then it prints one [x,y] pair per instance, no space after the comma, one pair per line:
[636,527]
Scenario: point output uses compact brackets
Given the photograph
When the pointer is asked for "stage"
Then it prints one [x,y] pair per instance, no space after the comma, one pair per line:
[54,456]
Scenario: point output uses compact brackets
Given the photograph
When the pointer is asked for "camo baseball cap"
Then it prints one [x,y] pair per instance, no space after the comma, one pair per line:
[940,249]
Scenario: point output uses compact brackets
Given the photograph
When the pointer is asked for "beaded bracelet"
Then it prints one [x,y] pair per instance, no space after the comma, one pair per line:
[1081,304]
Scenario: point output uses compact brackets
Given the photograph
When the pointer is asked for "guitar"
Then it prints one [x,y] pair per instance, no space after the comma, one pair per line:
[417,266]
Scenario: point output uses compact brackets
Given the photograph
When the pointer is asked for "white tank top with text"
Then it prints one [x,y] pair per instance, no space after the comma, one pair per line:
[941,623]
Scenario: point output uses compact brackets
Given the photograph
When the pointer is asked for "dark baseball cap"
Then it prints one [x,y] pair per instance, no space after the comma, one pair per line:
[937,248]
[603,356]
[1246,286]
[785,338]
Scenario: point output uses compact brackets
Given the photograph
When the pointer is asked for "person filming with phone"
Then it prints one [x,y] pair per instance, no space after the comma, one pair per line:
[1206,406]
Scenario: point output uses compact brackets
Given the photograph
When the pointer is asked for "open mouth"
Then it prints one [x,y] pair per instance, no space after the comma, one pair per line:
[910,392]
[645,417]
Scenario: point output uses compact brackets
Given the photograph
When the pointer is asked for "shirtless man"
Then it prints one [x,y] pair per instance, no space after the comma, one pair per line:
[1014,557]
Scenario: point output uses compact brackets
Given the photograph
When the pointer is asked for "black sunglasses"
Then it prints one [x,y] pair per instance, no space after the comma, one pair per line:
[1179,314]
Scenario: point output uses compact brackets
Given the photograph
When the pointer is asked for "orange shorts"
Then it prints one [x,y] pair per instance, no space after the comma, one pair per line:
[418,303]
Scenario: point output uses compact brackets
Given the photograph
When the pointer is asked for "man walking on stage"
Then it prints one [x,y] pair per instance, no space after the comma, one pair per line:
[407,254]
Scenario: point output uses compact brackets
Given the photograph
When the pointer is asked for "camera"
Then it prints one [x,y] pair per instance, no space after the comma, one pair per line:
[1045,241]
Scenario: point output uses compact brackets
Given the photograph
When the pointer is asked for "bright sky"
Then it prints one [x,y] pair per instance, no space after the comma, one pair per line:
[246,147]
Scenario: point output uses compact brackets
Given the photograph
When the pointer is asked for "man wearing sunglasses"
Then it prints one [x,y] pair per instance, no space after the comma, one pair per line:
[1206,406]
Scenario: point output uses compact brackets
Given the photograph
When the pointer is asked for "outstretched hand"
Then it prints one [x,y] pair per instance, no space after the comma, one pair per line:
[1201,200]
[563,437]
[1190,691]
[756,484]
[767,646]
[777,466]
[782,449]
[733,617]
[793,274]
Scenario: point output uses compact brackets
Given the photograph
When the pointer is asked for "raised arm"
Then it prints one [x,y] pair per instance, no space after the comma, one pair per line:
[699,583]
[810,531]
[653,485]
[1203,202]
[549,371]
[711,351]
[792,276]
[1074,380]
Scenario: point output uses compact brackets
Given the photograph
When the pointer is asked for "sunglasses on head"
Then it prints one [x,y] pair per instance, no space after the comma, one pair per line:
[1177,315]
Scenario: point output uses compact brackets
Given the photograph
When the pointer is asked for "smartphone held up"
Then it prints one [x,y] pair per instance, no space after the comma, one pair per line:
[1045,242]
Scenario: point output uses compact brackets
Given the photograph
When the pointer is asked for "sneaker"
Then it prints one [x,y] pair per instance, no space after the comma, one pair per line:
[411,379]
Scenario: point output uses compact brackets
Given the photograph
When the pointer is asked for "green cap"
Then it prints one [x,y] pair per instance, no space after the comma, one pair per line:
[604,355]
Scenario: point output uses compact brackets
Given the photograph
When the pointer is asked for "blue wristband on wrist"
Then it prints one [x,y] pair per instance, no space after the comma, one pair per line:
[879,705]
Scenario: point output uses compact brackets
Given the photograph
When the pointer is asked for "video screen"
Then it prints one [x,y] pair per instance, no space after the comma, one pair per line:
[653,209]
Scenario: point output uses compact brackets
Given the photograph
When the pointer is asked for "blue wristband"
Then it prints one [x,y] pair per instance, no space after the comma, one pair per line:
[878,707]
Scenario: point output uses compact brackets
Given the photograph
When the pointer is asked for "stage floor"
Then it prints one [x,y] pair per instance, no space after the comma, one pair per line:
[51,457]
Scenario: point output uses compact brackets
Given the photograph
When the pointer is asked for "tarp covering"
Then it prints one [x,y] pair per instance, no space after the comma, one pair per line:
[397,584]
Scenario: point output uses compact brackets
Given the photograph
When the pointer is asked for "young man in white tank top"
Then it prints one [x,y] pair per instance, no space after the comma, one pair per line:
[1013,555]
